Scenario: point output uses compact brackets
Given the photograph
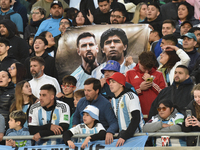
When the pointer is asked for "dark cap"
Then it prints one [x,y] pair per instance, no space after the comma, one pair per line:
[186,22]
[56,3]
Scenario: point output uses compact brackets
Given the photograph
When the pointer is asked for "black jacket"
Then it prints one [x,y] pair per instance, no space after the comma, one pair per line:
[180,96]
[6,99]
[18,46]
[191,140]
[7,62]
[194,57]
[50,68]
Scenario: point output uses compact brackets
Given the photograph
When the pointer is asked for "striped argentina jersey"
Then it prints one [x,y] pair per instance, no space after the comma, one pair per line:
[123,106]
[83,129]
[80,76]
[38,116]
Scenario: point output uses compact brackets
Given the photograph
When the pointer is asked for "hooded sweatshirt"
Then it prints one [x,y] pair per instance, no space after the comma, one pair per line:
[18,47]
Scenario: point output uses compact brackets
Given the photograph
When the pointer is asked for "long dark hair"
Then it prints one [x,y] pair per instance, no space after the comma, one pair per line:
[87,22]
[190,10]
[21,72]
[173,58]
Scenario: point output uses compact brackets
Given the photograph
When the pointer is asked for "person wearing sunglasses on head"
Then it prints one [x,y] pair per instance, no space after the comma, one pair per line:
[168,119]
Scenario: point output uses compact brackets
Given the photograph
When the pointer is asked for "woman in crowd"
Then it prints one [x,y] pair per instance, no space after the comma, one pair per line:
[51,49]
[140,13]
[23,98]
[170,58]
[185,12]
[81,19]
[192,120]
[168,119]
[7,90]
[18,72]
[38,15]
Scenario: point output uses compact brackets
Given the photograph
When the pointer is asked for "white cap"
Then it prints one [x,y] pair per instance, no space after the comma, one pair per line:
[93,111]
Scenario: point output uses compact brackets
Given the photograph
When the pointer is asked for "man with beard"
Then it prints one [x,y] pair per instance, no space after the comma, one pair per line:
[7,13]
[37,65]
[52,24]
[118,16]
[87,48]
[114,44]
[179,92]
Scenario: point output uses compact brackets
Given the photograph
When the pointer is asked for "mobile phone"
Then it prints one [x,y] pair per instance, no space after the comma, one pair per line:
[188,113]
[150,79]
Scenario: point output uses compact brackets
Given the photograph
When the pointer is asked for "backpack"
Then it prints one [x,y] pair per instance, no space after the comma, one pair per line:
[7,16]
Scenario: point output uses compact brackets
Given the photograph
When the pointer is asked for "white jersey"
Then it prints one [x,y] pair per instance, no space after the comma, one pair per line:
[37,83]
[123,106]
[80,76]
[83,129]
[38,116]
[96,73]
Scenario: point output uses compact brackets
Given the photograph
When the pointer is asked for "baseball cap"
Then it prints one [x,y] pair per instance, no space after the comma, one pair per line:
[56,3]
[186,22]
[118,77]
[111,65]
[190,35]
[92,111]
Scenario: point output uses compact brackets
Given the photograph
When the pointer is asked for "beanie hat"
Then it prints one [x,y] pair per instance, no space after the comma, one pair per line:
[111,65]
[93,111]
[118,77]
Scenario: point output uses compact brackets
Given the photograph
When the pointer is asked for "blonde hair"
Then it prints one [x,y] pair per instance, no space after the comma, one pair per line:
[18,115]
[196,87]
[79,93]
[136,17]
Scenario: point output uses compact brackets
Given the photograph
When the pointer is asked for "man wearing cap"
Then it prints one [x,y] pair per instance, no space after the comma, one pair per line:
[52,24]
[92,89]
[189,42]
[127,108]
[146,80]
[87,48]
[114,45]
[111,67]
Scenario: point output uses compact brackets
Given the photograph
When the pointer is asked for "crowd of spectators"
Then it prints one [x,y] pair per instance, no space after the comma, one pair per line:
[159,93]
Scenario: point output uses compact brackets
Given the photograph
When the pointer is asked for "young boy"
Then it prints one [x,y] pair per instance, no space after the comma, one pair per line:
[68,88]
[77,96]
[126,106]
[91,125]
[16,122]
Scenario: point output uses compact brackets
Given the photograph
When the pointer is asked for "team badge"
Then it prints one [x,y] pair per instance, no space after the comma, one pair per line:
[66,117]
[122,105]
[54,117]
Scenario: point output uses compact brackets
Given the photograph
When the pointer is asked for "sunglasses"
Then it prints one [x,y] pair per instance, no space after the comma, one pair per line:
[161,108]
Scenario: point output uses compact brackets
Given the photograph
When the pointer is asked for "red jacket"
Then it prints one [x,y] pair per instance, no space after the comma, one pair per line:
[134,77]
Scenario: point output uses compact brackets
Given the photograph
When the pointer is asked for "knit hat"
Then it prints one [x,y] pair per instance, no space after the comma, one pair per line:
[111,65]
[118,77]
[92,111]
[56,3]
[190,35]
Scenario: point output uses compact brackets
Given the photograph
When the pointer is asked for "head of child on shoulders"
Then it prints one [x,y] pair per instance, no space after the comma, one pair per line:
[77,96]
[17,119]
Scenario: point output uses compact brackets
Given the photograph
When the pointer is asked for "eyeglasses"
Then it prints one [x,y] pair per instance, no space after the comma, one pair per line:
[11,68]
[35,13]
[161,108]
[67,86]
[65,23]
[117,16]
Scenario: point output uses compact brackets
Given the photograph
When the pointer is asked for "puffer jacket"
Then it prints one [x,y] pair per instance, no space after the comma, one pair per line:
[6,99]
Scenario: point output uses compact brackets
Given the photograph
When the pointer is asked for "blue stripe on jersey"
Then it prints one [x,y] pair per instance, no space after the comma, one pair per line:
[24,109]
[95,130]
[118,114]
[48,115]
[49,142]
[40,118]
[83,130]
[56,112]
[91,132]
[126,113]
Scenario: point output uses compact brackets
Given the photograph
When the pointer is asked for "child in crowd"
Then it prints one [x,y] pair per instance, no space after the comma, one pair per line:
[68,88]
[91,125]
[77,96]
[16,122]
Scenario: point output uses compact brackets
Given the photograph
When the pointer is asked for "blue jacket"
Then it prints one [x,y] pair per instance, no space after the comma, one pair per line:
[106,113]
[194,57]
[23,131]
